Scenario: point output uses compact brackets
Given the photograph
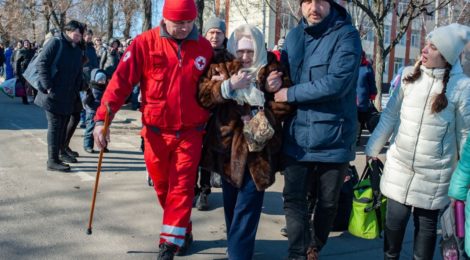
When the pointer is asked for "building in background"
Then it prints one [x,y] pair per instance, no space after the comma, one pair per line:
[276,17]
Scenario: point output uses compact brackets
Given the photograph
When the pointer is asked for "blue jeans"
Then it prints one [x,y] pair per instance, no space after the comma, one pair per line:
[90,126]
[327,180]
[242,208]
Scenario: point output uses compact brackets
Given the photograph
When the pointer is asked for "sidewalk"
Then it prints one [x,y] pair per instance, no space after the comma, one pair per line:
[341,245]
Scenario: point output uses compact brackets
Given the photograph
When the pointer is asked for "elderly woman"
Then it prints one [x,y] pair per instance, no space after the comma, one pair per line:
[428,119]
[244,135]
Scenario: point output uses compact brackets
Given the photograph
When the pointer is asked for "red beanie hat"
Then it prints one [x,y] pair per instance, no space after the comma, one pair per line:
[179,10]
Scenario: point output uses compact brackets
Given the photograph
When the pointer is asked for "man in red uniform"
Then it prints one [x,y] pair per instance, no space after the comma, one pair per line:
[167,61]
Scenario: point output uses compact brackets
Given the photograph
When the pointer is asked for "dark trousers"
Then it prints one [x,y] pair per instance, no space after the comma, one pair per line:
[56,125]
[327,179]
[72,124]
[204,178]
[362,117]
[242,208]
[88,141]
[425,222]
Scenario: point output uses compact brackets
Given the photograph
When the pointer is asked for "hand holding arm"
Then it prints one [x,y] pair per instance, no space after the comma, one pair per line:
[274,81]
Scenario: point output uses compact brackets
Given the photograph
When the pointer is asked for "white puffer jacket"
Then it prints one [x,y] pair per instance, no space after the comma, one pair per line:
[424,147]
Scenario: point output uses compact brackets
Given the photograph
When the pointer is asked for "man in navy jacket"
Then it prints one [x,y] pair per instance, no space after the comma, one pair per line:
[323,55]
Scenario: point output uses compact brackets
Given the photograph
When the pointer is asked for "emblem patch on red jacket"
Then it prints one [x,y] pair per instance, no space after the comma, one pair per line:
[200,63]
[126,56]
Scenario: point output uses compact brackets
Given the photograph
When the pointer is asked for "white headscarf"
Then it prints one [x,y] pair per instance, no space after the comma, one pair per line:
[260,58]
[251,95]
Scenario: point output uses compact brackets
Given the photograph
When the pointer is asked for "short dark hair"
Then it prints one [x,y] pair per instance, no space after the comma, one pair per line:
[74,25]
[89,31]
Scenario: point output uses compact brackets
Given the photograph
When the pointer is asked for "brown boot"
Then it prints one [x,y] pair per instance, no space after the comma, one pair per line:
[312,253]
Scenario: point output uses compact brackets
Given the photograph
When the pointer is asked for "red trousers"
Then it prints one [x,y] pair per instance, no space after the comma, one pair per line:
[172,159]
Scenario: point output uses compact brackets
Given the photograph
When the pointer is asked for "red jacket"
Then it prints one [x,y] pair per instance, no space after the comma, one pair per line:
[168,80]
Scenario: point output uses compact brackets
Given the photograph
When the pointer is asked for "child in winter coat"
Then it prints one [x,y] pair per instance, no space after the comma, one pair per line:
[427,119]
[92,101]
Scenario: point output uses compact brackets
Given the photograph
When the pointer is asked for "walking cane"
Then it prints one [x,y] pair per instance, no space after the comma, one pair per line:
[98,170]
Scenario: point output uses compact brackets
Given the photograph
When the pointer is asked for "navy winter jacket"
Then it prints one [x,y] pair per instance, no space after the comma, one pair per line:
[323,61]
[92,61]
[365,88]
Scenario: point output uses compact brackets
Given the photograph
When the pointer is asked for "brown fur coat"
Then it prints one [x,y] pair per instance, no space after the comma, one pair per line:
[225,150]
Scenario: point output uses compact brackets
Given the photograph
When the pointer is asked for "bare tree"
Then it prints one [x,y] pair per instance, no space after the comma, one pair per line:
[147,6]
[95,14]
[377,11]
[110,28]
[129,8]
[200,14]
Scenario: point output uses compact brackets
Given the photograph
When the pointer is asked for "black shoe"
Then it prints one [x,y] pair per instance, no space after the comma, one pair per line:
[67,158]
[106,150]
[57,166]
[167,251]
[71,153]
[89,150]
[188,240]
[202,203]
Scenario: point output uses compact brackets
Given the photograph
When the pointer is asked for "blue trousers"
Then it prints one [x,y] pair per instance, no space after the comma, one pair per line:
[88,141]
[242,208]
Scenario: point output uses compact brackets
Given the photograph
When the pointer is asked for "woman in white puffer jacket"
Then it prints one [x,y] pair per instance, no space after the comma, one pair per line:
[427,121]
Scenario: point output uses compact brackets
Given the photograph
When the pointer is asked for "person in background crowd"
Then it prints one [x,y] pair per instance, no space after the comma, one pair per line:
[323,54]
[110,59]
[19,46]
[92,63]
[22,60]
[236,89]
[8,65]
[98,83]
[2,58]
[366,92]
[429,119]
[167,61]
[459,188]
[58,95]
[67,154]
[214,32]
[100,49]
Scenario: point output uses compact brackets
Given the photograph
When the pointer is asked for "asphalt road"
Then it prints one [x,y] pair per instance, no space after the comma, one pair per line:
[44,215]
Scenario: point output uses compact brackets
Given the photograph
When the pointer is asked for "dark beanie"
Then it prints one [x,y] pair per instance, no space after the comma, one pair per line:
[216,23]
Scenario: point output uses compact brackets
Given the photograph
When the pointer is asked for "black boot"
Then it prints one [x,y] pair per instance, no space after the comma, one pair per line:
[167,251]
[71,152]
[67,158]
[202,202]
[57,166]
[188,240]
[393,240]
